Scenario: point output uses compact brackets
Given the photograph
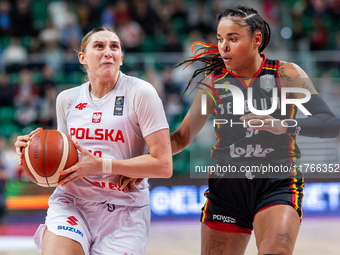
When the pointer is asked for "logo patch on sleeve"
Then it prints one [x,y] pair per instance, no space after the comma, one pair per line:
[119,106]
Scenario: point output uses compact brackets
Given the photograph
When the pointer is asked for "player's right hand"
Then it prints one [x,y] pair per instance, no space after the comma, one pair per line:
[22,141]
[125,184]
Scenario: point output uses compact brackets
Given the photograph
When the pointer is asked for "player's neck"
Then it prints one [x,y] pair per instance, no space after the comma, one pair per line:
[100,88]
[249,70]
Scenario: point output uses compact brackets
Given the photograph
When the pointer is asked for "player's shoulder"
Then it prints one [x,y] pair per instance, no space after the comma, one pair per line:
[288,70]
[67,95]
[139,86]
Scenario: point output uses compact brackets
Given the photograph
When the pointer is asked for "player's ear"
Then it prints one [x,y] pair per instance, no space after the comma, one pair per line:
[82,59]
[257,39]
[121,60]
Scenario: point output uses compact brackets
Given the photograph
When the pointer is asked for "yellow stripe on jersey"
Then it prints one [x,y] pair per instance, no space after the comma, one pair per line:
[204,211]
[292,141]
[221,77]
[247,81]
[269,68]
[296,194]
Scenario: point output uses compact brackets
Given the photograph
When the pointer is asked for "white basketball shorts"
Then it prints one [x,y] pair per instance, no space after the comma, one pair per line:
[100,228]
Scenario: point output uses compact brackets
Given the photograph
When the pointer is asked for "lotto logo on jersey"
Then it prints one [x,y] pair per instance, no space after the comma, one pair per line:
[81,106]
[97,117]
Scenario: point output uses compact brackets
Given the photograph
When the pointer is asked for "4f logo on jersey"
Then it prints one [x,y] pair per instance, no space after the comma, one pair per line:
[97,117]
[119,106]
[81,106]
[72,220]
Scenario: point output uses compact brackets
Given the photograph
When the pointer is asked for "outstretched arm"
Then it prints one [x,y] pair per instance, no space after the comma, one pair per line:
[192,123]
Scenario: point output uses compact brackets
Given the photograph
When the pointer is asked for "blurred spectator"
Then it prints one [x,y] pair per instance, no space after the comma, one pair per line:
[211,38]
[47,115]
[172,103]
[35,50]
[71,62]
[179,16]
[153,78]
[271,10]
[83,13]
[47,80]
[335,10]
[95,7]
[70,30]
[172,43]
[6,91]
[317,8]
[337,41]
[319,35]
[122,10]
[35,46]
[146,16]
[172,88]
[129,30]
[9,157]
[178,9]
[194,36]
[3,178]
[49,33]
[53,55]
[26,96]
[14,56]
[22,19]
[108,17]
[298,36]
[199,18]
[5,19]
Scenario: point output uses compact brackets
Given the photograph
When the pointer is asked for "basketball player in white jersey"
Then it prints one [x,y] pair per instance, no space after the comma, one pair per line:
[120,129]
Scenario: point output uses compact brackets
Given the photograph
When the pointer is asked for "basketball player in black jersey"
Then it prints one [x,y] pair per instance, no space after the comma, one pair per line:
[241,202]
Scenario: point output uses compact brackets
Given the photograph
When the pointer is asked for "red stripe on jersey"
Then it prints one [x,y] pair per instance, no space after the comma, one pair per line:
[277,75]
[271,66]
[227,227]
[254,77]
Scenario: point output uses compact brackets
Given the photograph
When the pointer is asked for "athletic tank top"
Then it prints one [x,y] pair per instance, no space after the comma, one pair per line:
[105,130]
[243,146]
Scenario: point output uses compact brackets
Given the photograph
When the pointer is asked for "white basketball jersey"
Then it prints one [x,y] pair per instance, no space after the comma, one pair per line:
[105,129]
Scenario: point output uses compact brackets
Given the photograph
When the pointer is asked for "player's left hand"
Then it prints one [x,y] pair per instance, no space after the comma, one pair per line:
[265,122]
[88,164]
[126,184]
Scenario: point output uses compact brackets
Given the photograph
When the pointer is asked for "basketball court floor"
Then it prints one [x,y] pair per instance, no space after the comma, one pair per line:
[318,236]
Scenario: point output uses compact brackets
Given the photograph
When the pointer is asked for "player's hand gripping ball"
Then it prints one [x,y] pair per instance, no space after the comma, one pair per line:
[47,154]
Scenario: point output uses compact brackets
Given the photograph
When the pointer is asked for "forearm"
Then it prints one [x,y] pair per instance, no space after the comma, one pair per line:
[144,166]
[322,123]
[177,142]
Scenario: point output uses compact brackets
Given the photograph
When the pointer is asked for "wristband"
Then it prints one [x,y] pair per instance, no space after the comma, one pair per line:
[107,165]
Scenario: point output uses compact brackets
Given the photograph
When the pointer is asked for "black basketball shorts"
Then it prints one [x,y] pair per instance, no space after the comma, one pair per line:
[233,203]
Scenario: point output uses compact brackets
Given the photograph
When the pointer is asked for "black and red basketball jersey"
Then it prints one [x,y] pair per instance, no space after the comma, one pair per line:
[243,146]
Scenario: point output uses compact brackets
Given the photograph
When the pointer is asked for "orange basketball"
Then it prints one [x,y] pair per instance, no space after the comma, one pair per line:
[47,154]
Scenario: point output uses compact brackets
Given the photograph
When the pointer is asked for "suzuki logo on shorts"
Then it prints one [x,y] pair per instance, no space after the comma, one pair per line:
[238,100]
[72,220]
[97,117]
[81,106]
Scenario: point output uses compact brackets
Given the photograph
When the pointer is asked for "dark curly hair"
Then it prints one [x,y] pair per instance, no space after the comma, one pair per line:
[244,16]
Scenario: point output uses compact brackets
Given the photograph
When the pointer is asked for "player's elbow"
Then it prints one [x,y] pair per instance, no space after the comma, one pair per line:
[166,167]
[179,141]
[331,129]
